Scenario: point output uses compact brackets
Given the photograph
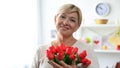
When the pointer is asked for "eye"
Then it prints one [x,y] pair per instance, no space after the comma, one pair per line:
[72,20]
[62,17]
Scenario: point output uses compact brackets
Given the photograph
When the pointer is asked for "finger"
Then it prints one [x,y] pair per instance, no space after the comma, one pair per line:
[63,64]
[84,66]
[55,65]
[74,63]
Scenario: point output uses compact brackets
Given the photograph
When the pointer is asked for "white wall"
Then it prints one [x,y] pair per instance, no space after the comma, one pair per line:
[18,32]
[40,26]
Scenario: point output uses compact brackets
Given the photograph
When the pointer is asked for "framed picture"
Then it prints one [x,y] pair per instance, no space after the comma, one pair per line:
[53,33]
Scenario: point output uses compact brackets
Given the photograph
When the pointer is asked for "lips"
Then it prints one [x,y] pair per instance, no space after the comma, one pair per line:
[64,27]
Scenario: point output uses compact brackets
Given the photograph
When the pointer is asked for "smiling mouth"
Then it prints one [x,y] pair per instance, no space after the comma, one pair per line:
[64,27]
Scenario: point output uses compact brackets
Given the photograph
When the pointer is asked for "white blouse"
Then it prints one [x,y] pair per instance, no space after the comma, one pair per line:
[41,61]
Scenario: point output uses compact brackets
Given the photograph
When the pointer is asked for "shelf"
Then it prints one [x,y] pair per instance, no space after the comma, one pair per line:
[101,30]
[101,25]
[107,51]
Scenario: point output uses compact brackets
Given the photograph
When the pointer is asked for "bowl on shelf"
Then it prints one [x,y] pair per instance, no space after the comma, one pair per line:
[101,21]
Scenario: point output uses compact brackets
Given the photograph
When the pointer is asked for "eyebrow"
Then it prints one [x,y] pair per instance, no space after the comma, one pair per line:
[70,17]
[73,18]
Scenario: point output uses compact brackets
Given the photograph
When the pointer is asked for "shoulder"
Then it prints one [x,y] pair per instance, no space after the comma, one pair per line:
[39,55]
[42,47]
[41,50]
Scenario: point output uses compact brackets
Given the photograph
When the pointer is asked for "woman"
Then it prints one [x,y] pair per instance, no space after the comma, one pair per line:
[67,21]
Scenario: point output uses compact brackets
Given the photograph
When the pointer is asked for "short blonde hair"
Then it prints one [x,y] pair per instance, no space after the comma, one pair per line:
[70,8]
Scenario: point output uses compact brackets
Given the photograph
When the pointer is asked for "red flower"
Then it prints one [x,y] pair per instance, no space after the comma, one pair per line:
[83,54]
[72,57]
[52,49]
[75,50]
[50,55]
[67,54]
[60,56]
[69,50]
[86,61]
[63,47]
[59,49]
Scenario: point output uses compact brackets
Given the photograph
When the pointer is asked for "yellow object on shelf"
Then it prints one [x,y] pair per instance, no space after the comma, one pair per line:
[101,21]
[114,40]
[104,47]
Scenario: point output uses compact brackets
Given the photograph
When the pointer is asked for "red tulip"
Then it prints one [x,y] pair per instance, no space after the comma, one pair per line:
[72,57]
[84,60]
[67,54]
[50,55]
[75,50]
[88,62]
[60,56]
[52,49]
[69,50]
[83,54]
[59,49]
[63,47]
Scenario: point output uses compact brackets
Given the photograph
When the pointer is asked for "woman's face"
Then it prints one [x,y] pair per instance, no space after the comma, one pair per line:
[66,23]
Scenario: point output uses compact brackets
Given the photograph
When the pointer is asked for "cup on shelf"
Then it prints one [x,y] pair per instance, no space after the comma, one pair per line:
[101,21]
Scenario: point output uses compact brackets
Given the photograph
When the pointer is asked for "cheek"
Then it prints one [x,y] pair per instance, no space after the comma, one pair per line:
[75,27]
[57,23]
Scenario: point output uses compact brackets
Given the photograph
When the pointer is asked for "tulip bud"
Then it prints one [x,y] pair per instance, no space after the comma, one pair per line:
[72,57]
[83,54]
[75,50]
[50,55]
[60,56]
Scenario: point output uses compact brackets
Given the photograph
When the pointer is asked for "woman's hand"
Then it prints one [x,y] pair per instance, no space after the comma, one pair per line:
[62,64]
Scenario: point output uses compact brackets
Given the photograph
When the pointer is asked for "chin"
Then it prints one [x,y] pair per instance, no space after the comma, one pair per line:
[64,33]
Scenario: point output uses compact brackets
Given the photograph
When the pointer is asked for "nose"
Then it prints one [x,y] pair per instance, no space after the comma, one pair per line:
[66,22]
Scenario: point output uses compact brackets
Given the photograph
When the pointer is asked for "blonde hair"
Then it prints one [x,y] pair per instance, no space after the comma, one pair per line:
[70,8]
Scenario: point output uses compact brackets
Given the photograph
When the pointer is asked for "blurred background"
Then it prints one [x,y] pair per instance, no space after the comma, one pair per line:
[26,24]
[19,27]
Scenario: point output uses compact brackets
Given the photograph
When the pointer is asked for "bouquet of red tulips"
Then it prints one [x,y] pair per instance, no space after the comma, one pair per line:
[67,54]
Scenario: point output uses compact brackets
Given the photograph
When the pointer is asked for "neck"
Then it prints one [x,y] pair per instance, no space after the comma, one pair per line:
[66,40]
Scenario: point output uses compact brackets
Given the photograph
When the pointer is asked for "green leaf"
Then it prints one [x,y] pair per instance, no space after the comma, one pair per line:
[67,59]
[55,60]
[78,59]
